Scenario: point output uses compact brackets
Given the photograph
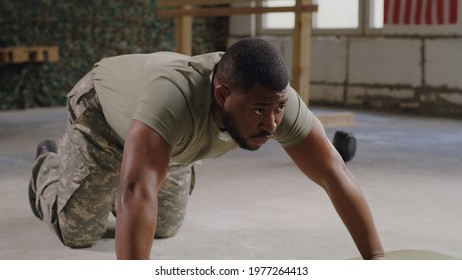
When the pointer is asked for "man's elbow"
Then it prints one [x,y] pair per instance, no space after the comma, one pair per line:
[133,197]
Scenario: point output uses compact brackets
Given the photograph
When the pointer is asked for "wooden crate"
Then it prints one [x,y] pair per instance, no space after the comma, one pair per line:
[17,55]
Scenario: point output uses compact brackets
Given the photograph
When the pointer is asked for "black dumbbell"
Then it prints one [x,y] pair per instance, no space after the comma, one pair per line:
[345,143]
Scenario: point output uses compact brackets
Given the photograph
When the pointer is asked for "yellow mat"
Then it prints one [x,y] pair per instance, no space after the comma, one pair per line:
[414,254]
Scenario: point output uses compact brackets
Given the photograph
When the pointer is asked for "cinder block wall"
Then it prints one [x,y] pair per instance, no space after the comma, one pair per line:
[85,32]
[405,68]
[415,73]
[412,74]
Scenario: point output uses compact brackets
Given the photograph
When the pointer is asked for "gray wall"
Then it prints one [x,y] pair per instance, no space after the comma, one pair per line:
[404,68]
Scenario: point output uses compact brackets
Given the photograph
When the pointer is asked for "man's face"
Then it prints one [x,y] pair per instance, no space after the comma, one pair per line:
[252,116]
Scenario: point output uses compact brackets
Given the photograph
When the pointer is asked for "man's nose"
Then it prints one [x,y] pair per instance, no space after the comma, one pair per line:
[269,123]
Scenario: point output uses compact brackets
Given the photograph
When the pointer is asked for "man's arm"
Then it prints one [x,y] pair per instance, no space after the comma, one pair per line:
[319,160]
[144,167]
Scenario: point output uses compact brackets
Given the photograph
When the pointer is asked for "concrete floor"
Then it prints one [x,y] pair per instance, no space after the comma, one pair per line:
[257,205]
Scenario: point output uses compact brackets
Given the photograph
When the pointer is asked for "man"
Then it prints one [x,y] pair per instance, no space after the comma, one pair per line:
[137,123]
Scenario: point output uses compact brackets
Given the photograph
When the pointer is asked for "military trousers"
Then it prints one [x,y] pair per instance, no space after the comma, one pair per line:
[76,187]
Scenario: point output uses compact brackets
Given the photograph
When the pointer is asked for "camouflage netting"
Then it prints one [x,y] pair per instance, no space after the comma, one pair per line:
[85,32]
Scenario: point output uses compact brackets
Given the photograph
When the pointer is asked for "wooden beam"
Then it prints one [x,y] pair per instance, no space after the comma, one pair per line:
[226,11]
[173,3]
[183,32]
[183,10]
[301,51]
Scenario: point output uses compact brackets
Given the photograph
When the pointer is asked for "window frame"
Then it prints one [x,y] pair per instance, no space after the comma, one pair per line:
[363,28]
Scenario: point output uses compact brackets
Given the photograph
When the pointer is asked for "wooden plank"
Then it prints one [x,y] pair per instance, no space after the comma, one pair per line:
[53,54]
[43,54]
[183,32]
[17,55]
[337,119]
[13,55]
[173,3]
[301,52]
[226,11]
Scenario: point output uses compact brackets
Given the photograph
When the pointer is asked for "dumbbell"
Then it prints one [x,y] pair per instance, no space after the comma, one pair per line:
[345,143]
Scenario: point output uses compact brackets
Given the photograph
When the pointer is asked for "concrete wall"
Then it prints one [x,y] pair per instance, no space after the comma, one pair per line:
[416,68]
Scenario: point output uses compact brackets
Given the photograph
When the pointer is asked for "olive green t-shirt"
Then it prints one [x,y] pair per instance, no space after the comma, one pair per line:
[171,93]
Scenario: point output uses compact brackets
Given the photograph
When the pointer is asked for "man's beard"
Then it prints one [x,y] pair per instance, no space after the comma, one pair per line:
[231,128]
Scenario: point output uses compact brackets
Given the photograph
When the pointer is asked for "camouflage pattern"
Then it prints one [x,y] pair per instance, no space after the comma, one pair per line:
[172,199]
[76,188]
[85,32]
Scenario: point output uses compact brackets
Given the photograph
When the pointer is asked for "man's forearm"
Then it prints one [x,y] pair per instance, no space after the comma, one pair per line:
[135,228]
[354,211]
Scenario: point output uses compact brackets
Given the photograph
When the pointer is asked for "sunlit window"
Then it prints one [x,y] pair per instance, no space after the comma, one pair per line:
[335,14]
[278,20]
[376,14]
[331,15]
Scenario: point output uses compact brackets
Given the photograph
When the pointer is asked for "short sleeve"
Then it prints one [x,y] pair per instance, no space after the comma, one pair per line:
[296,123]
[163,107]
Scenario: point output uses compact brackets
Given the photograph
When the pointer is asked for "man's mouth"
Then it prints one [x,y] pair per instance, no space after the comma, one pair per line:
[262,138]
[265,134]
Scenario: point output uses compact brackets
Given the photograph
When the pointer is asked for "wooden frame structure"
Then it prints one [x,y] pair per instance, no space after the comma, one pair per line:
[184,10]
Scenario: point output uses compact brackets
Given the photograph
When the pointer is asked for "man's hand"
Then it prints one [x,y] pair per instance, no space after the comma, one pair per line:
[377,257]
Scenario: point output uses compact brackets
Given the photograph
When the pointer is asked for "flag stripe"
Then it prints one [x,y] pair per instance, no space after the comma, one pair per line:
[396,11]
[407,12]
[418,12]
[428,12]
[453,12]
[440,11]
[386,4]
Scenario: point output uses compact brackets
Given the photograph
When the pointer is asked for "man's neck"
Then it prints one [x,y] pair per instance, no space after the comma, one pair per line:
[217,115]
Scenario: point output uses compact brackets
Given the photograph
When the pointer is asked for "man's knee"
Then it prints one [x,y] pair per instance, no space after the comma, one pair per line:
[78,245]
[81,240]
[75,233]
[166,232]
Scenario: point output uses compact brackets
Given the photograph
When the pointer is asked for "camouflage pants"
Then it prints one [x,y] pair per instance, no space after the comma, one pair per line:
[76,188]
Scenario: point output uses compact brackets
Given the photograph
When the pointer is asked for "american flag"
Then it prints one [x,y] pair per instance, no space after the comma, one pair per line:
[420,12]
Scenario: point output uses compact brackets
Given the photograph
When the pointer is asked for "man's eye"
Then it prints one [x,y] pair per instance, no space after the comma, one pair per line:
[281,108]
[259,111]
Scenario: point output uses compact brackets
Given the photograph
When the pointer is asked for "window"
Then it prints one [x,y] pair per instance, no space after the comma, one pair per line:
[334,14]
[376,14]
[278,20]
[332,17]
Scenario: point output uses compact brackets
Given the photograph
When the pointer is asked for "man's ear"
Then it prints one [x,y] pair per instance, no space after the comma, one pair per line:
[220,93]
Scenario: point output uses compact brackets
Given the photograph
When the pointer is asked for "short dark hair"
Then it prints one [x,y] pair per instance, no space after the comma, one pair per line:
[253,61]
